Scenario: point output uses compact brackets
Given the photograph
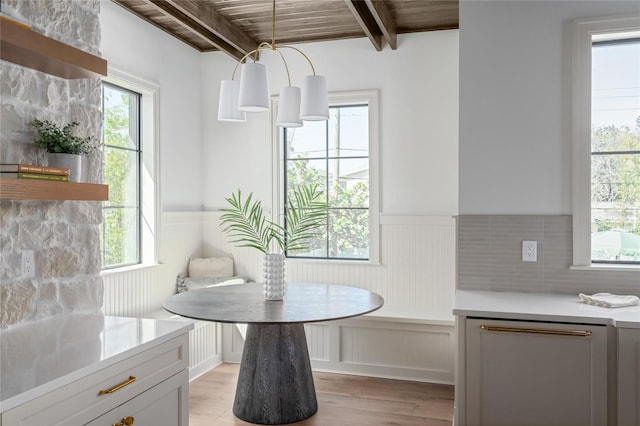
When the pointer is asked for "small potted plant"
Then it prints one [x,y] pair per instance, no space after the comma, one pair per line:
[64,147]
[245,221]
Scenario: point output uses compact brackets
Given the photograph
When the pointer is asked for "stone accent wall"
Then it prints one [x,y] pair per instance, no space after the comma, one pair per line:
[64,235]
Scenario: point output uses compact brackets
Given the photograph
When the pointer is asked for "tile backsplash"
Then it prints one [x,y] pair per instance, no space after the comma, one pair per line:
[490,257]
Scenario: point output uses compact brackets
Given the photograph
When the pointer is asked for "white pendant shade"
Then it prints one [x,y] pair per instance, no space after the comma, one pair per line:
[228,102]
[254,89]
[315,99]
[289,107]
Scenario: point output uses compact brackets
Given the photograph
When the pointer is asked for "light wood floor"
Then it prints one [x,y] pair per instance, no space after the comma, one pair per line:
[342,401]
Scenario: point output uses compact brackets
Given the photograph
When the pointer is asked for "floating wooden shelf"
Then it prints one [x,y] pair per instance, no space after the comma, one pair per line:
[20,45]
[25,189]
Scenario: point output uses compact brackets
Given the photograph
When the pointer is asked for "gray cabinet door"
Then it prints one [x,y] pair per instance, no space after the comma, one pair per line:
[629,376]
[529,373]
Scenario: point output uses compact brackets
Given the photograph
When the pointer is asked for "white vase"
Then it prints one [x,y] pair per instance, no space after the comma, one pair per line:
[73,162]
[275,286]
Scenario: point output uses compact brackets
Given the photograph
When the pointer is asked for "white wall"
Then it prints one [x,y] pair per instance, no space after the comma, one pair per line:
[418,85]
[515,145]
[143,50]
[134,46]
[204,160]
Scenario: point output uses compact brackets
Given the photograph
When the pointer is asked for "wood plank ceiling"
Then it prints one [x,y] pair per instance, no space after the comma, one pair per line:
[238,26]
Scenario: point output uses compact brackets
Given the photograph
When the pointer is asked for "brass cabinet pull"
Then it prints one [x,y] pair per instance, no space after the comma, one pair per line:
[127,421]
[578,333]
[118,387]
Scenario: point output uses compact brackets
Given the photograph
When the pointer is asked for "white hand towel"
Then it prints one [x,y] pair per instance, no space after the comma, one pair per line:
[608,300]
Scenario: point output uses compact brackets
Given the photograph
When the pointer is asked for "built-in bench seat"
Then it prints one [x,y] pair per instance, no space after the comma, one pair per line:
[411,314]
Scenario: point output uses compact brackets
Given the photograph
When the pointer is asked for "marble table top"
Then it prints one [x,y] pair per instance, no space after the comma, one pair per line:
[245,303]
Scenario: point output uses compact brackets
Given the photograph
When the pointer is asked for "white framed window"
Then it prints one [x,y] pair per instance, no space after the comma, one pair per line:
[606,142]
[341,157]
[131,216]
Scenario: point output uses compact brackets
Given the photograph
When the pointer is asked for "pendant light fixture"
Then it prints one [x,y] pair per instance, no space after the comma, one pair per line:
[251,92]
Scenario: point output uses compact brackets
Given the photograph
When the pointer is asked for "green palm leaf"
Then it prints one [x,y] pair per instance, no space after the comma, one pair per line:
[246,224]
[305,214]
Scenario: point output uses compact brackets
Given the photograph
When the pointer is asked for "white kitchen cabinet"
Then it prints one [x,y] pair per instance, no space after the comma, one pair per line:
[110,368]
[162,405]
[534,373]
[629,376]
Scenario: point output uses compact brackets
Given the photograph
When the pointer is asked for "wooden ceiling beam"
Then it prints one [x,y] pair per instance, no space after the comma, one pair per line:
[205,14]
[367,22]
[191,24]
[385,21]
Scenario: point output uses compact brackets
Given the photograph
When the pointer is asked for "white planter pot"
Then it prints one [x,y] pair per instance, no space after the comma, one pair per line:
[275,286]
[72,162]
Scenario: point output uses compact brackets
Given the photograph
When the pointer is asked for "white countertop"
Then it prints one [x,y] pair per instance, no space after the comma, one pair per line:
[541,307]
[41,356]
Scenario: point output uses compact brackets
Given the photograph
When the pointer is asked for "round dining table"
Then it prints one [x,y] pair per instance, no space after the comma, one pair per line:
[275,382]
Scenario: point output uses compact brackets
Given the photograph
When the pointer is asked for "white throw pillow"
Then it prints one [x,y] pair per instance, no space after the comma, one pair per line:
[211,267]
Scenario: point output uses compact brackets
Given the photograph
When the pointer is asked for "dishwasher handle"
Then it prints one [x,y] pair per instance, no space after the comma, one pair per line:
[577,333]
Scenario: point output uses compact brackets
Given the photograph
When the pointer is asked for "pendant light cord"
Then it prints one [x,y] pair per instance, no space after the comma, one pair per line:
[273,27]
[273,47]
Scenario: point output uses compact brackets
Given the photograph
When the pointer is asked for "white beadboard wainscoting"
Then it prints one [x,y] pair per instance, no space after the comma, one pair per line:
[205,347]
[411,337]
[416,273]
[139,292]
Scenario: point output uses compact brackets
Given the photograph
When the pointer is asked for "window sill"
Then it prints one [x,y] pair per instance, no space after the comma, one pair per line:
[607,267]
[131,268]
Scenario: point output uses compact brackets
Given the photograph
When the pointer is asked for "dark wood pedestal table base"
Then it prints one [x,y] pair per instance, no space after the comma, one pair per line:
[275,384]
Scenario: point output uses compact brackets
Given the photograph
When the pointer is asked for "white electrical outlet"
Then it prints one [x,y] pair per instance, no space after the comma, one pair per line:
[28,264]
[529,251]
